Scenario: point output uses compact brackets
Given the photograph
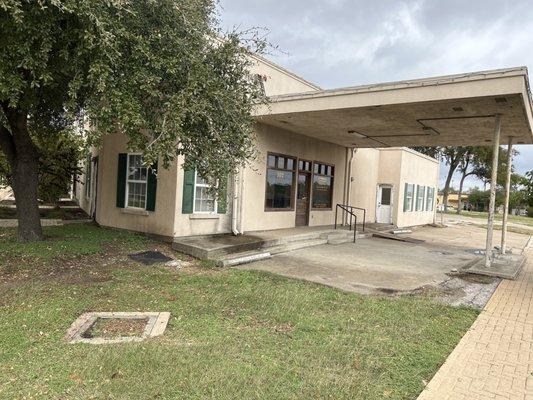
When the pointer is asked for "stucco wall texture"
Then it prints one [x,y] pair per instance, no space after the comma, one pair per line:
[369,168]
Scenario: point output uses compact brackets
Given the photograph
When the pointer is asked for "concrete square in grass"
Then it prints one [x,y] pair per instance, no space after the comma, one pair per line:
[155,326]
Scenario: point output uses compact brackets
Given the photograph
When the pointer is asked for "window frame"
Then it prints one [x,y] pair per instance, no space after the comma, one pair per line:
[413,197]
[293,182]
[421,199]
[127,191]
[204,185]
[313,174]
[432,204]
[88,177]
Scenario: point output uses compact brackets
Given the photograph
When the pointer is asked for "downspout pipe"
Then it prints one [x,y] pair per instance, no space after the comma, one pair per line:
[352,156]
[348,182]
[234,204]
[241,203]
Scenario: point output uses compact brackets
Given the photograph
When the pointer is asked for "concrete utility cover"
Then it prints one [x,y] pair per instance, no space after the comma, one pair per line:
[149,257]
[155,325]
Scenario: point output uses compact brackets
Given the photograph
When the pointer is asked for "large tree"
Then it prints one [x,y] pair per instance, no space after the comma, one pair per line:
[452,156]
[161,72]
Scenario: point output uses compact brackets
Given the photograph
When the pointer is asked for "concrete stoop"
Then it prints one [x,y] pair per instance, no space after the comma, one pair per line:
[229,251]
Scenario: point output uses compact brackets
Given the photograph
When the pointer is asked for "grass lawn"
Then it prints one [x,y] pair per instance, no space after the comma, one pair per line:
[47,213]
[232,334]
[477,214]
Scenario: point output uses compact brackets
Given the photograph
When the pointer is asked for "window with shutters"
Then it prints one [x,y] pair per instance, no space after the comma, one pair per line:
[204,199]
[136,182]
[430,199]
[88,173]
[420,195]
[408,197]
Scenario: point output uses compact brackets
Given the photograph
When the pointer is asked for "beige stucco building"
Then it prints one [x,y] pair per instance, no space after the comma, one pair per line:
[295,180]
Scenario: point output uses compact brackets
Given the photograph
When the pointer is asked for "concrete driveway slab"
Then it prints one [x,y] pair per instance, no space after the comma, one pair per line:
[369,265]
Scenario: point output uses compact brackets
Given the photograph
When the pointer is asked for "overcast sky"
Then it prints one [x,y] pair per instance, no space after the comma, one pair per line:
[336,43]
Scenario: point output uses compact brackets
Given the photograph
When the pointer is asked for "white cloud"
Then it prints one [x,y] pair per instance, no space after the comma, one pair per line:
[339,43]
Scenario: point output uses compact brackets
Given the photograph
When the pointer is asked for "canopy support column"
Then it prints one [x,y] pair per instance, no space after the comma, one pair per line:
[493,182]
[507,193]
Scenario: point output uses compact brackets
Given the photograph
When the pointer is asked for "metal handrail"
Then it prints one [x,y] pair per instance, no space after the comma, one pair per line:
[349,210]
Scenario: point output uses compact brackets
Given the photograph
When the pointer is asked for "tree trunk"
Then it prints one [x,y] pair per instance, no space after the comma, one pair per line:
[453,166]
[459,199]
[23,161]
[25,189]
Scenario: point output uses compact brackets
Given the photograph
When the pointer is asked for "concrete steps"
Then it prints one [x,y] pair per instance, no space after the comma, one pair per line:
[245,257]
[340,237]
[296,245]
[228,250]
[292,244]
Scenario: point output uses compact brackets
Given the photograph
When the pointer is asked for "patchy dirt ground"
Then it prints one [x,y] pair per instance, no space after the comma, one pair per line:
[110,328]
[462,290]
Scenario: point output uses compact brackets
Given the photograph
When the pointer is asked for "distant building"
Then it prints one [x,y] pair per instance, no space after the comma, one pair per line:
[453,201]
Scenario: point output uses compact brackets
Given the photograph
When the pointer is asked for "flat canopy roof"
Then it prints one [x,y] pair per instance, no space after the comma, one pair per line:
[453,110]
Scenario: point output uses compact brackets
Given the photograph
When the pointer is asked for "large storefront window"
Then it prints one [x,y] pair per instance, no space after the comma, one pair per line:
[323,185]
[280,182]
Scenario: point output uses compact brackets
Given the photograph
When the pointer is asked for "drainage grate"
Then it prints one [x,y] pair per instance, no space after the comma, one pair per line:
[149,257]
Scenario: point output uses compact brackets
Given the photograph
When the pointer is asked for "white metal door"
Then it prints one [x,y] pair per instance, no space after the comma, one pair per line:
[384,206]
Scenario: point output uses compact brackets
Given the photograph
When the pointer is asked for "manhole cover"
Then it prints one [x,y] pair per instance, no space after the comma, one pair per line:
[149,257]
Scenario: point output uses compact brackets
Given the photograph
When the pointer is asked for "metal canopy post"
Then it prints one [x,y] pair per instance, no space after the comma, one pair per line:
[507,193]
[493,182]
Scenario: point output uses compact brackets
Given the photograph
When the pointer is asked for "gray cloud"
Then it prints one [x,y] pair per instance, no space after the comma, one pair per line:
[337,43]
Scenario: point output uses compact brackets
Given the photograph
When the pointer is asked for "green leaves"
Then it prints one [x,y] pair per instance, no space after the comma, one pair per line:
[161,72]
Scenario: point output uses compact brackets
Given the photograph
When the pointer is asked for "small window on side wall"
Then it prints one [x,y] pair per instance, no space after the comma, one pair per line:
[430,198]
[136,182]
[88,173]
[409,194]
[204,199]
[420,195]
[280,182]
[323,185]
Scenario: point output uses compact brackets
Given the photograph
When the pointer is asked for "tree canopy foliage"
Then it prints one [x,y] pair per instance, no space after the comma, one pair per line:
[161,72]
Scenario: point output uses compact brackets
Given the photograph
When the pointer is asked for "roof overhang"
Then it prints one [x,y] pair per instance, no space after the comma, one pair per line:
[454,110]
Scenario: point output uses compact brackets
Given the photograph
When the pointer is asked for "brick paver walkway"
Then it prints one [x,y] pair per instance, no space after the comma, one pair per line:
[494,360]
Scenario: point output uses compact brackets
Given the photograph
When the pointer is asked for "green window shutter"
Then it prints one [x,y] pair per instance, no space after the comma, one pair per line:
[151,188]
[405,207]
[188,192]
[121,179]
[222,196]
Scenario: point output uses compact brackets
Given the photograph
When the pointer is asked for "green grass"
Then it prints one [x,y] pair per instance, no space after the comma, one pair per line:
[232,335]
[477,214]
[47,213]
[66,241]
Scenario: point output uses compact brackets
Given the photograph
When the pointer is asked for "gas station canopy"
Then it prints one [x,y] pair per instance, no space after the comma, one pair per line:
[454,110]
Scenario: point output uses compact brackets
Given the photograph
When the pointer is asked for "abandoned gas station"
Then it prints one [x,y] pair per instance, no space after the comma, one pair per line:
[487,108]
[325,158]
